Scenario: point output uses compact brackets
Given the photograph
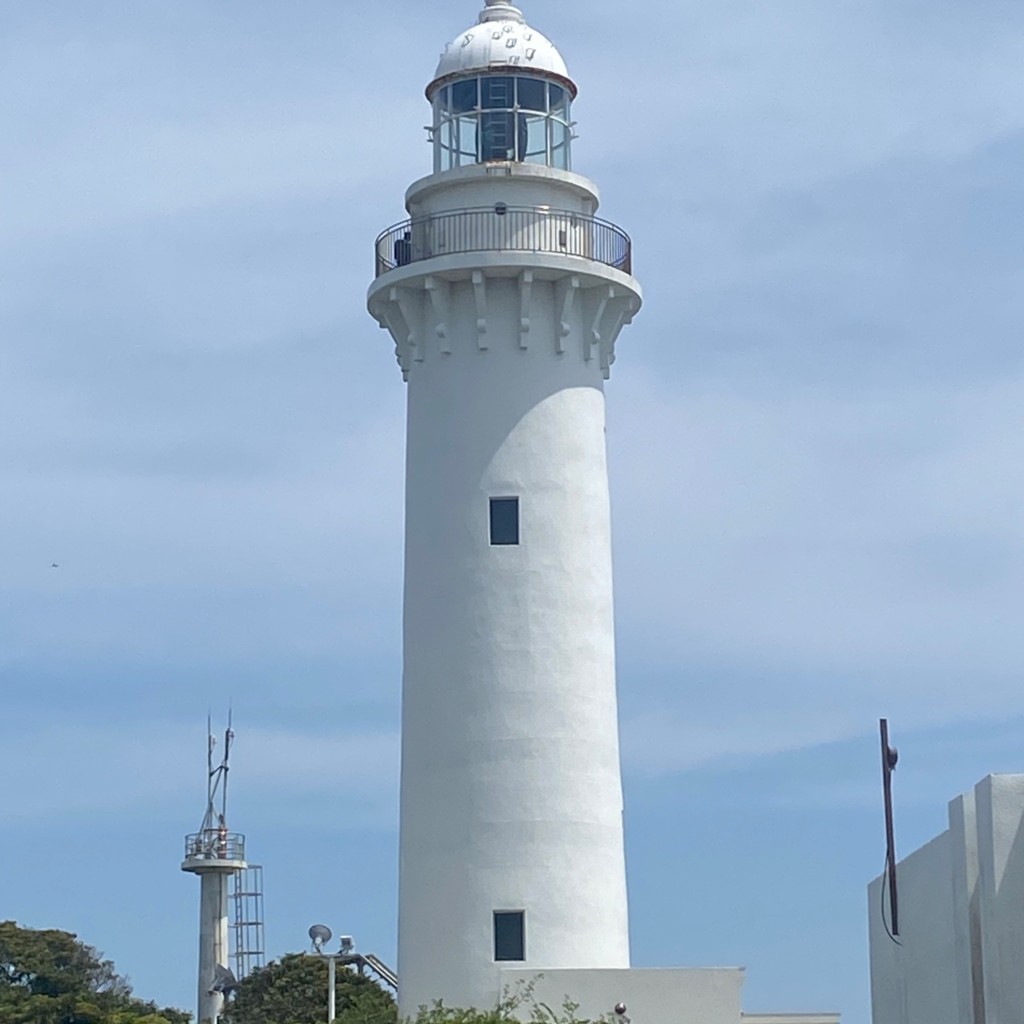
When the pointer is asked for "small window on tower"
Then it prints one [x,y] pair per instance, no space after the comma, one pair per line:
[509,935]
[504,520]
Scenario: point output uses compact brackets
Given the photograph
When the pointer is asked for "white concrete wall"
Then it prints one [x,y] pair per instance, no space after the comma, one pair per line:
[961,918]
[916,982]
[515,184]
[213,940]
[652,996]
[999,803]
[511,792]
[963,836]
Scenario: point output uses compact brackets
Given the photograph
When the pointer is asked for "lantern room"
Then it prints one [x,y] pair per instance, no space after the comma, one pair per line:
[501,92]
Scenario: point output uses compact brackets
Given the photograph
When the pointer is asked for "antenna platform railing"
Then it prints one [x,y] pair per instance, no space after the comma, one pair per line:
[215,844]
[501,228]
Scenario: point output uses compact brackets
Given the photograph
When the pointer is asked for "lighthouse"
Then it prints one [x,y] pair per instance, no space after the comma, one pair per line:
[504,293]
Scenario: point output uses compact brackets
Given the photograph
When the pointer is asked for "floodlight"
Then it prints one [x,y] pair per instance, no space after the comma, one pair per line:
[320,934]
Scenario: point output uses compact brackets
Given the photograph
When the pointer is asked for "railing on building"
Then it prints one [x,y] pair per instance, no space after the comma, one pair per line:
[501,228]
[215,844]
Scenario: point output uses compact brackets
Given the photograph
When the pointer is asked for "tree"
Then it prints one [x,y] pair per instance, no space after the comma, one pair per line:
[49,977]
[293,990]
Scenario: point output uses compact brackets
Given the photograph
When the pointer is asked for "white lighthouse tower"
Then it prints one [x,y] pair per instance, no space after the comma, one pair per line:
[505,294]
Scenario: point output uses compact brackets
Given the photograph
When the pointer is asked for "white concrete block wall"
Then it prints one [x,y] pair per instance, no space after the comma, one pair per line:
[999,801]
[963,836]
[651,996]
[961,918]
[915,982]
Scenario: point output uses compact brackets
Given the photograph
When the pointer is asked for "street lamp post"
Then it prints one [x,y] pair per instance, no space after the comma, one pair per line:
[320,934]
[331,979]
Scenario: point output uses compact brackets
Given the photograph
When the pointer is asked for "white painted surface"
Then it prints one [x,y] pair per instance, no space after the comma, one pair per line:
[963,836]
[214,878]
[961,918]
[511,793]
[651,996]
[916,980]
[515,184]
[500,37]
[999,802]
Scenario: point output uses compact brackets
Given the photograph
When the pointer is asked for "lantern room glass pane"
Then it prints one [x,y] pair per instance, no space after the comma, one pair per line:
[467,139]
[559,101]
[532,94]
[496,93]
[560,135]
[446,140]
[496,138]
[533,131]
[464,96]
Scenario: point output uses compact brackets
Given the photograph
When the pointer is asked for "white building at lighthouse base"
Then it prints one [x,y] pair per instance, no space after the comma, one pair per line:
[664,995]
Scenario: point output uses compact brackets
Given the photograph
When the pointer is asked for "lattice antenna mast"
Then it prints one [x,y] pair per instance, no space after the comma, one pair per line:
[217,778]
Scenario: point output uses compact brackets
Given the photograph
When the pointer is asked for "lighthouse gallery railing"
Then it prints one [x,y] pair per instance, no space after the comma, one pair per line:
[503,228]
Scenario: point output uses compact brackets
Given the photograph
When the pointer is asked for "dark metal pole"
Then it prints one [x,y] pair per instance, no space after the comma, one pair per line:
[889,759]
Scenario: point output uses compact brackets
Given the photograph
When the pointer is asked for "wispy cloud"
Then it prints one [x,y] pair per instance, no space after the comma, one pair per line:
[107,770]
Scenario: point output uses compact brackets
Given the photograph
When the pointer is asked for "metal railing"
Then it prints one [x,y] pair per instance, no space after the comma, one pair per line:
[503,228]
[215,844]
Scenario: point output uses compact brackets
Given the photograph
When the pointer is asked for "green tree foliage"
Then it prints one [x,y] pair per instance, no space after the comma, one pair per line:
[293,990]
[49,977]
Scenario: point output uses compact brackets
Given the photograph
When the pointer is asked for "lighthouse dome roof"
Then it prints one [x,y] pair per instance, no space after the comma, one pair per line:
[500,38]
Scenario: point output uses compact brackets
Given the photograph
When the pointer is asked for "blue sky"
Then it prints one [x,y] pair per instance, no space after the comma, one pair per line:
[815,432]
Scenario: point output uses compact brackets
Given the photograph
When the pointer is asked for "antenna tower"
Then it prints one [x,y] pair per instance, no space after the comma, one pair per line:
[217,856]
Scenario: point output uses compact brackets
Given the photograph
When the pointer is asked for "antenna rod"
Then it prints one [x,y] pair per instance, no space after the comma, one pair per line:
[229,735]
[889,758]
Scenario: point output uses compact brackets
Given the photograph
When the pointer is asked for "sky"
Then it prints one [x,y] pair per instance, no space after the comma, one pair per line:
[815,429]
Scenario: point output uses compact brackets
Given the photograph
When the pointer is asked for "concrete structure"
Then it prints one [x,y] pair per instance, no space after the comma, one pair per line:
[691,995]
[961,905]
[505,296]
[216,855]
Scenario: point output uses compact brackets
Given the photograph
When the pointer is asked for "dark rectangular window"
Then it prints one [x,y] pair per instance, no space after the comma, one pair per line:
[509,935]
[504,520]
[532,93]
[464,97]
